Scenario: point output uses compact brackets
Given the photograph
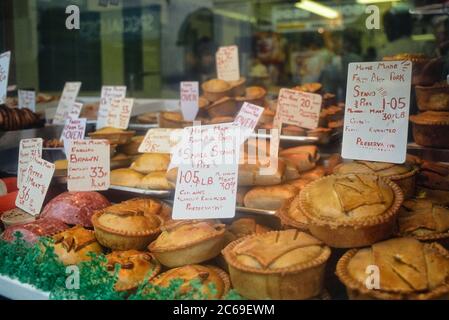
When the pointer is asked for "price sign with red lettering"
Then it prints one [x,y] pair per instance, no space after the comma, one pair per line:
[88,165]
[28,149]
[247,119]
[160,140]
[35,186]
[69,95]
[206,185]
[73,130]
[227,61]
[300,109]
[377,111]
[108,93]
[120,113]
[189,100]
[75,110]
[5,58]
[27,99]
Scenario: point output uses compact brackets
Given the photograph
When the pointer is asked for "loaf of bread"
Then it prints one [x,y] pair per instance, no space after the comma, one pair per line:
[269,198]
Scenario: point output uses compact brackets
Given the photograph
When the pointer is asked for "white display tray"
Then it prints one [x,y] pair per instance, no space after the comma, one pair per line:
[162,194]
[16,290]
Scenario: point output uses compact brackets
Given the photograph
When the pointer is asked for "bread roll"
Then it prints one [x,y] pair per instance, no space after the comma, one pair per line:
[150,162]
[126,178]
[269,198]
[155,181]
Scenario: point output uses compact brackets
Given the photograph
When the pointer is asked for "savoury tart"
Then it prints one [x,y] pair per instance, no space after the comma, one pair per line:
[135,268]
[431,129]
[214,282]
[404,175]
[359,209]
[424,220]
[408,270]
[277,265]
[188,242]
[292,216]
[119,228]
[216,89]
[148,206]
[433,98]
[74,245]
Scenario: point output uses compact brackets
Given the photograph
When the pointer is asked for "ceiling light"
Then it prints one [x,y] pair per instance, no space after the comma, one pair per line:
[318,9]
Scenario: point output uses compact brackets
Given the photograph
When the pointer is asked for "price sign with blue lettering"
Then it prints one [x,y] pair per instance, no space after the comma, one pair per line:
[377,111]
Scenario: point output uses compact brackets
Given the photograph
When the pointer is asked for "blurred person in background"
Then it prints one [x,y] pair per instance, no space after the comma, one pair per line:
[318,57]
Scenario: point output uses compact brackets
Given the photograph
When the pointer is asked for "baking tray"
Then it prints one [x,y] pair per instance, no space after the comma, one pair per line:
[16,290]
[255,211]
[161,194]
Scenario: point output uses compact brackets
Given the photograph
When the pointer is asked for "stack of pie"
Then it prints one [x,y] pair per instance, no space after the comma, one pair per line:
[433,181]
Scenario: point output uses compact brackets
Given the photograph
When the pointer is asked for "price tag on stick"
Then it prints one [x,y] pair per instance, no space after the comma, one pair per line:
[5,59]
[189,100]
[248,118]
[108,93]
[377,111]
[69,95]
[28,149]
[73,130]
[227,61]
[88,165]
[160,140]
[27,99]
[75,110]
[120,113]
[35,185]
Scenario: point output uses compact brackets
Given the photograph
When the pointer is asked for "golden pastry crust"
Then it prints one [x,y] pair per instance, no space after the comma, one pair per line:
[156,180]
[269,197]
[216,89]
[238,87]
[73,246]
[150,162]
[188,242]
[135,267]
[120,228]
[408,269]
[292,216]
[207,275]
[126,178]
[224,107]
[292,268]
[114,135]
[360,209]
[433,98]
[132,148]
[244,227]
[431,129]
[170,119]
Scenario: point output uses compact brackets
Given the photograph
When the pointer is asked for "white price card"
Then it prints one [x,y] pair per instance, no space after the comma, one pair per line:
[28,149]
[300,109]
[88,165]
[74,129]
[27,99]
[32,192]
[69,95]
[5,59]
[227,61]
[206,185]
[119,113]
[75,110]
[160,140]
[189,92]
[377,111]
[108,93]
[248,118]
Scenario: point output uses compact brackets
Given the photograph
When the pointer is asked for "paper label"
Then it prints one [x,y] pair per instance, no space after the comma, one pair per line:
[248,118]
[207,176]
[27,99]
[35,185]
[377,111]
[227,61]
[5,59]
[120,113]
[73,130]
[28,149]
[161,140]
[75,110]
[108,93]
[189,100]
[300,109]
[69,95]
[88,165]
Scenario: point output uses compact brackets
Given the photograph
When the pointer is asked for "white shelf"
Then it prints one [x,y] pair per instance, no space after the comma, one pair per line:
[15,290]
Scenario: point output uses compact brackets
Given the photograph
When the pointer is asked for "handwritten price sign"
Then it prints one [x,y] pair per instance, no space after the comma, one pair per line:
[207,180]
[35,186]
[161,140]
[5,58]
[227,61]
[108,93]
[28,149]
[75,110]
[377,111]
[301,109]
[69,95]
[248,118]
[88,165]
[73,130]
[27,99]
[189,100]
[120,113]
